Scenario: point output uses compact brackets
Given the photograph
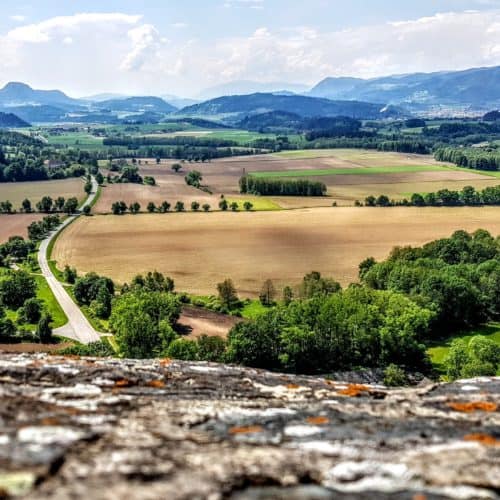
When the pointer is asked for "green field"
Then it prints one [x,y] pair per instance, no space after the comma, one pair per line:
[258,203]
[74,139]
[439,350]
[348,171]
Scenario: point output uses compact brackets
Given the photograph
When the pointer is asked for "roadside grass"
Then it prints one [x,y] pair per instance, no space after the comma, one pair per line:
[259,204]
[439,349]
[45,294]
[347,171]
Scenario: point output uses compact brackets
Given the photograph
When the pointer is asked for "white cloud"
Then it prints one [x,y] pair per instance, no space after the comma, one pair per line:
[18,18]
[44,31]
[145,41]
[118,52]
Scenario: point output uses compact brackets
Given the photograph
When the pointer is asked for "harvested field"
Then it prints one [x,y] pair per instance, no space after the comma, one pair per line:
[348,174]
[16,225]
[16,192]
[200,250]
[27,347]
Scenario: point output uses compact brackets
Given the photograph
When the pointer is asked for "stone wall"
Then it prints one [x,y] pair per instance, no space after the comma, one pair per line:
[115,429]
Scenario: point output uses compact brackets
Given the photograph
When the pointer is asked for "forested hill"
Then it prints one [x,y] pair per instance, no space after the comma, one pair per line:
[10,120]
[300,105]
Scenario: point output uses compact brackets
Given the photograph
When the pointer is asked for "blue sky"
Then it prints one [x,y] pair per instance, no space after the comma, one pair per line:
[181,47]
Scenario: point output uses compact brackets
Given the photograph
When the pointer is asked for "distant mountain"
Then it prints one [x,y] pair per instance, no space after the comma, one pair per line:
[20,94]
[244,87]
[10,120]
[478,88]
[107,96]
[179,102]
[138,105]
[300,105]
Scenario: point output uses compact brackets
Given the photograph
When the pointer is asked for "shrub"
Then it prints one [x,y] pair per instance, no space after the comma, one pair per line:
[395,376]
[183,349]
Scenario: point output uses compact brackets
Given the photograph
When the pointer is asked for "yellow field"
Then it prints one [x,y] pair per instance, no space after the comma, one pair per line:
[200,250]
[16,192]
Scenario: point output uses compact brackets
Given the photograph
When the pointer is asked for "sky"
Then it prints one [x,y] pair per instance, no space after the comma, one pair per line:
[180,47]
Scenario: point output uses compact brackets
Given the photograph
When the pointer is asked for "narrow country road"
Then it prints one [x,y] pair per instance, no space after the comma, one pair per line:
[78,326]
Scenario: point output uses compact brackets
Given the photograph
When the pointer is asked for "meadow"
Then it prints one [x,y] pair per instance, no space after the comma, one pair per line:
[200,250]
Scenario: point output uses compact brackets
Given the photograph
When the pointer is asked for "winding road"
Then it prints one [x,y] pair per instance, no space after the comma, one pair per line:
[78,326]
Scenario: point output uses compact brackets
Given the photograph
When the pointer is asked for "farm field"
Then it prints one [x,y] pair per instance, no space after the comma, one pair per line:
[200,250]
[348,174]
[16,225]
[16,192]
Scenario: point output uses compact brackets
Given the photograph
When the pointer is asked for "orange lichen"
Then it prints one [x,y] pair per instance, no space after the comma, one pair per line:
[354,390]
[484,439]
[320,420]
[473,406]
[165,361]
[157,384]
[50,421]
[124,382]
[292,386]
[419,496]
[250,429]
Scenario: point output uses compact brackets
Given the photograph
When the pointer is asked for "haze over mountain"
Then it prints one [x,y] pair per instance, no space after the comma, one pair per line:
[21,94]
[244,87]
[477,88]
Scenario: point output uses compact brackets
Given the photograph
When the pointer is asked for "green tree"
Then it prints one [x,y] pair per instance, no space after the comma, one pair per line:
[206,207]
[164,207]
[234,206]
[134,208]
[267,293]
[179,206]
[26,206]
[247,205]
[151,207]
[15,288]
[227,294]
[31,311]
[211,348]
[44,330]
[70,205]
[223,205]
[87,209]
[287,295]
[176,167]
[195,206]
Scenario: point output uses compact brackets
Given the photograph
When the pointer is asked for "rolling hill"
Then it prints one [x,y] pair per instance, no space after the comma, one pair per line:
[138,105]
[301,105]
[10,120]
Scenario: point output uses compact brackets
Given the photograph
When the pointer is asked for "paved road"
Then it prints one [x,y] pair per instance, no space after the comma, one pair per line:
[78,326]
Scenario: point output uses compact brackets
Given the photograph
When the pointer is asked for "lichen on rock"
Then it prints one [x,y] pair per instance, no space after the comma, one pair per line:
[108,428]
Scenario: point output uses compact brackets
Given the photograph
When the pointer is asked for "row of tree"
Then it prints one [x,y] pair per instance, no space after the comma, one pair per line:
[281,187]
[468,196]
[120,207]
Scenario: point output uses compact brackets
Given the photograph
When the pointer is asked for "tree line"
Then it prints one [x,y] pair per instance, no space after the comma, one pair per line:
[468,196]
[281,187]
[475,158]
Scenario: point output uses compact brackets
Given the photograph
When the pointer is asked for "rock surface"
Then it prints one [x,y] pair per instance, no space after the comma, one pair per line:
[111,429]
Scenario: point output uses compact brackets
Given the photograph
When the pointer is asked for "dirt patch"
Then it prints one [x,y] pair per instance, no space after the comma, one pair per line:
[32,348]
[195,321]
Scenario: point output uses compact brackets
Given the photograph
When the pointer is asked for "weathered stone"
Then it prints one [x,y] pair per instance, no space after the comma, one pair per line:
[107,428]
